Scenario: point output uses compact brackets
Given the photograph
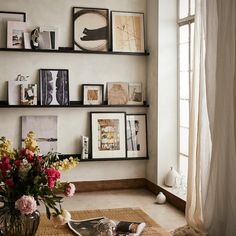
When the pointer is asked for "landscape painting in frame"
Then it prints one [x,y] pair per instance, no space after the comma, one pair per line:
[90,29]
[127,32]
[45,128]
[136,135]
[108,134]
[54,87]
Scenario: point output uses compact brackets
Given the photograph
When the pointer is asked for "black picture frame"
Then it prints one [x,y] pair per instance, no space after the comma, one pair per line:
[128,41]
[8,16]
[54,87]
[94,92]
[108,135]
[137,139]
[94,36]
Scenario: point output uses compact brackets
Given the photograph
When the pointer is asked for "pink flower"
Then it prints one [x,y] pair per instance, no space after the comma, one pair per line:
[9,182]
[17,163]
[30,155]
[5,165]
[26,205]
[69,190]
[53,175]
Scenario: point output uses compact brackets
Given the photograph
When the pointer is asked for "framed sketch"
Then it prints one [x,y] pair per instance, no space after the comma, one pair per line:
[108,134]
[136,135]
[127,31]
[54,87]
[92,94]
[48,37]
[91,29]
[117,93]
[28,94]
[135,94]
[15,34]
[4,18]
[45,128]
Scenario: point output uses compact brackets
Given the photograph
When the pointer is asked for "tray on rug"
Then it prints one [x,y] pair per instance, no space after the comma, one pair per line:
[46,227]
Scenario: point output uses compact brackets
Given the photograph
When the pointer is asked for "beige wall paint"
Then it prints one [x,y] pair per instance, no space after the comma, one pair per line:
[83,68]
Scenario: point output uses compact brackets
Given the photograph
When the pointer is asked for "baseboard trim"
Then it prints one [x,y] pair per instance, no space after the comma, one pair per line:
[89,186]
[102,185]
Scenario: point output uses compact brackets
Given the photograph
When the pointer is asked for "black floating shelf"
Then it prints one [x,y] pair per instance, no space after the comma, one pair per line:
[73,104]
[146,53]
[63,156]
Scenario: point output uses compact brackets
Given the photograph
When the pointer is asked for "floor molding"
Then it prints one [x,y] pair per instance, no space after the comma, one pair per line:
[102,185]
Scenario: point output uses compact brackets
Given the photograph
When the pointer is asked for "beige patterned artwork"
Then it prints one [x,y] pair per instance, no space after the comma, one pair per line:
[128,33]
[117,93]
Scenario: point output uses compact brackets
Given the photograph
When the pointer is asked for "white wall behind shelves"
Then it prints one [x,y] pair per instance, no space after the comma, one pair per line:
[83,68]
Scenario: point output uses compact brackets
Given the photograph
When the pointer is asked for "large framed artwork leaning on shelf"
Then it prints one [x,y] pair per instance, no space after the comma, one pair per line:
[127,31]
[91,32]
[6,16]
[54,87]
[108,134]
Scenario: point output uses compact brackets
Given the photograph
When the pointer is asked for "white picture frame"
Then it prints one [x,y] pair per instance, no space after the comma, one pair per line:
[136,129]
[135,94]
[108,134]
[15,34]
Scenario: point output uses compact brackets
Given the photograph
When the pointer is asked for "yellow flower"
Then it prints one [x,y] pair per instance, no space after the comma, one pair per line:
[6,148]
[67,164]
[30,142]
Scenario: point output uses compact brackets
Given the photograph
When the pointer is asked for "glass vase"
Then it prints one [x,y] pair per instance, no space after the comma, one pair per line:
[13,223]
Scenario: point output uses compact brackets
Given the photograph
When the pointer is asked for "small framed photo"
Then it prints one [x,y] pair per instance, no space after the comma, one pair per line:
[127,31]
[117,93]
[91,29]
[28,94]
[92,94]
[108,134]
[136,135]
[4,18]
[15,34]
[54,87]
[135,94]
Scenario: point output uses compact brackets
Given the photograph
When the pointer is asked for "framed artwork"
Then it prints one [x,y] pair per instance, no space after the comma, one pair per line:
[45,128]
[91,29]
[135,94]
[117,93]
[92,94]
[127,31]
[54,87]
[15,34]
[136,126]
[28,94]
[108,134]
[4,18]
[48,37]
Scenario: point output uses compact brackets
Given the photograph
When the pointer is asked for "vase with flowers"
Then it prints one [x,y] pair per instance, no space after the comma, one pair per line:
[27,179]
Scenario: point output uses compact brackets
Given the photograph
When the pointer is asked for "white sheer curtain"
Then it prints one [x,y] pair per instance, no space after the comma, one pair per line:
[211,198]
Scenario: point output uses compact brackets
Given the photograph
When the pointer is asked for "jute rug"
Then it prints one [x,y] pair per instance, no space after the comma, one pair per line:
[46,227]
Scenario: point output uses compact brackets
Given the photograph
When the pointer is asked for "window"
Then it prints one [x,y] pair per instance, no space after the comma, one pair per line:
[185,23]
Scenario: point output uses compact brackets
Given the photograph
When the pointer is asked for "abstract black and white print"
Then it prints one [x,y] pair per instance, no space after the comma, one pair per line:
[54,87]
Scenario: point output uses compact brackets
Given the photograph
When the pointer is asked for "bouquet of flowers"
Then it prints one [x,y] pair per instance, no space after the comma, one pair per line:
[28,178]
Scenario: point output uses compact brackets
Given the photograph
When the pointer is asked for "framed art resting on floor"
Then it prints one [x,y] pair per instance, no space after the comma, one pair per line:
[90,29]
[108,134]
[4,18]
[127,31]
[54,87]
[92,94]
[136,135]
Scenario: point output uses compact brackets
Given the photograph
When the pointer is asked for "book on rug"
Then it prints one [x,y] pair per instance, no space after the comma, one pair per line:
[105,226]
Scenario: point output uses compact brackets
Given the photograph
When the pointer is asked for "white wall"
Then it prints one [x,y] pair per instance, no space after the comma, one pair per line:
[167,88]
[83,68]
